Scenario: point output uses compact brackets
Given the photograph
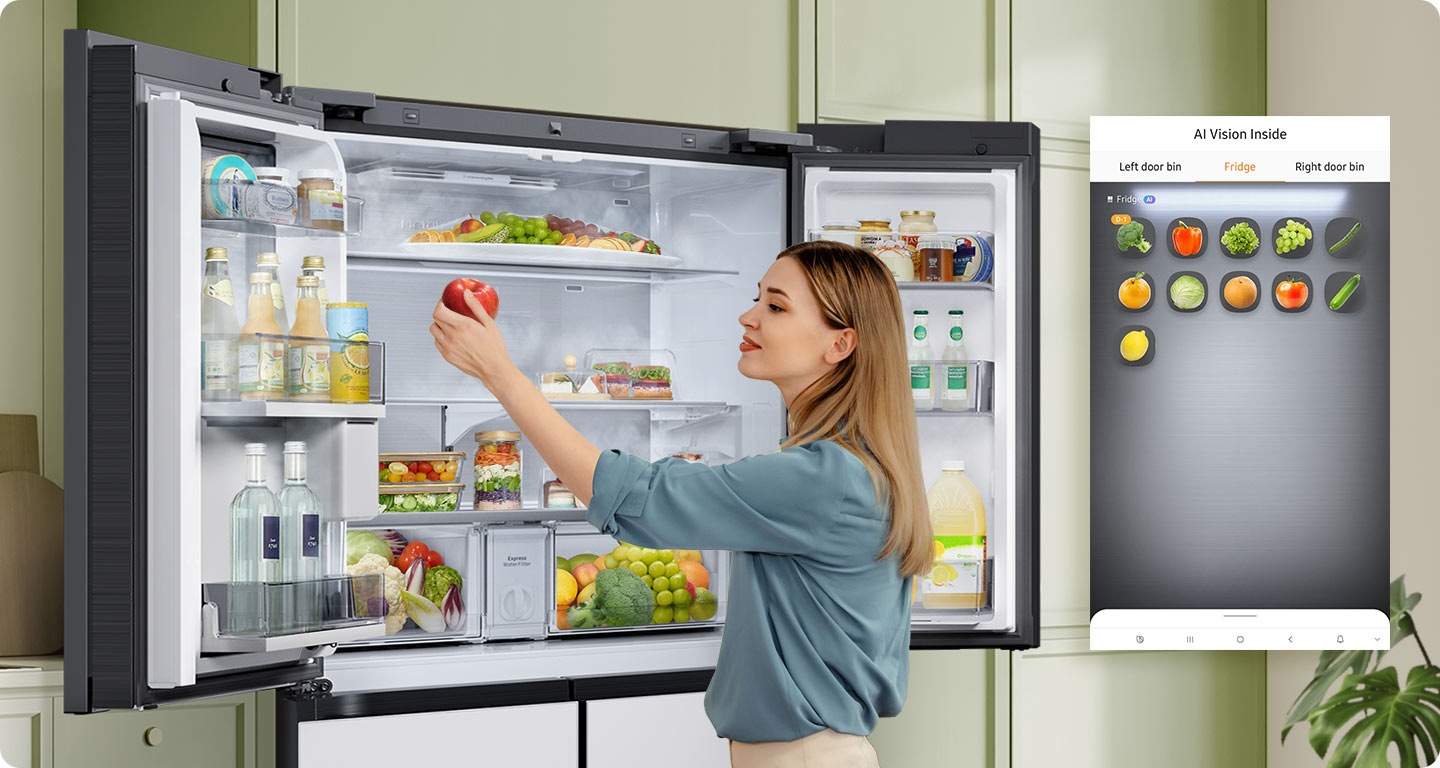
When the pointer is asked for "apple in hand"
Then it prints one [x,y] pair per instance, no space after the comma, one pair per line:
[454,296]
[469,225]
[1292,294]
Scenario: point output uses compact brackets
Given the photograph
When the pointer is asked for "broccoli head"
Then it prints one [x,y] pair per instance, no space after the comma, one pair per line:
[1132,235]
[621,600]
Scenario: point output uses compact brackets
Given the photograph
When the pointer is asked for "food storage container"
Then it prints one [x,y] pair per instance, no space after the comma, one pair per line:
[872,233]
[693,583]
[572,383]
[437,467]
[420,497]
[554,494]
[450,555]
[838,231]
[634,373]
[497,469]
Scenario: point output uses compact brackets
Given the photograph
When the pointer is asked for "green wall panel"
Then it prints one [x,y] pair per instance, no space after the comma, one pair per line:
[221,29]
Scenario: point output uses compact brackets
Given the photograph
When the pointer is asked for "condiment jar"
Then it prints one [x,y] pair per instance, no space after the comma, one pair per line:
[937,258]
[872,233]
[840,231]
[912,225]
[497,469]
[322,206]
[271,197]
[896,258]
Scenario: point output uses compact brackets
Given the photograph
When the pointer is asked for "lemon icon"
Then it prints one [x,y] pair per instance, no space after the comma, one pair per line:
[939,550]
[1134,345]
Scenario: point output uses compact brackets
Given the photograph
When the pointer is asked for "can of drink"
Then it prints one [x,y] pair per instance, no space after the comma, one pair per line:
[974,258]
[349,327]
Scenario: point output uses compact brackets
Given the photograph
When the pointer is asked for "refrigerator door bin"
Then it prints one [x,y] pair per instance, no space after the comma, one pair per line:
[980,382]
[258,616]
[704,571]
[456,546]
[241,212]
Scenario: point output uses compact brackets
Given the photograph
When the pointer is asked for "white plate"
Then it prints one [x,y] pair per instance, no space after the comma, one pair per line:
[542,255]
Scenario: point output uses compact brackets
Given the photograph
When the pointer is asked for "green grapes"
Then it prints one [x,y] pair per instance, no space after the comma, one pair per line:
[1291,237]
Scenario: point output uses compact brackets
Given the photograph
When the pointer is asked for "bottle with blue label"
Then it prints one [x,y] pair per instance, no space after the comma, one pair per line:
[300,547]
[254,547]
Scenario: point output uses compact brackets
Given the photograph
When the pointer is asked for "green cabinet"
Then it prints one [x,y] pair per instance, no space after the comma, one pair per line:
[1134,57]
[909,60]
[25,733]
[215,732]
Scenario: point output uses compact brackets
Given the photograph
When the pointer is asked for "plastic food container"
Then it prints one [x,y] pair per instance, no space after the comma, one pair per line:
[422,467]
[497,469]
[572,383]
[642,374]
[420,497]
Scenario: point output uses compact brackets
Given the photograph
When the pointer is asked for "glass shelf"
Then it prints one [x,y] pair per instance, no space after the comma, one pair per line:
[396,261]
[916,285]
[632,404]
[247,412]
[267,229]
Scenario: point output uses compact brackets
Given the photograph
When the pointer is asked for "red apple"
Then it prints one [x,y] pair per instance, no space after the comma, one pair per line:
[1292,294]
[469,225]
[454,296]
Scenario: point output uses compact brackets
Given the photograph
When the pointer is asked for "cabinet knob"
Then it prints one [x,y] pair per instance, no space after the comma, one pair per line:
[153,737]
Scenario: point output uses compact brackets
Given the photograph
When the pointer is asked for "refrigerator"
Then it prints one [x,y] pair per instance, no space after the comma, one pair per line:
[155,467]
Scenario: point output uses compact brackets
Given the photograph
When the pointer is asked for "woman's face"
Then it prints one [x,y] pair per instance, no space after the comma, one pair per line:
[785,338]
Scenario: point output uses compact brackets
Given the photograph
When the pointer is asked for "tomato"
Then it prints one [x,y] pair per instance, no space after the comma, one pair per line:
[433,559]
[454,296]
[403,562]
[414,548]
[397,477]
[447,476]
[435,477]
[408,477]
[413,466]
[424,468]
[1292,294]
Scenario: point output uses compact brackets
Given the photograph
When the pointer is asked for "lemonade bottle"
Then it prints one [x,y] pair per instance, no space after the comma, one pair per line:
[957,513]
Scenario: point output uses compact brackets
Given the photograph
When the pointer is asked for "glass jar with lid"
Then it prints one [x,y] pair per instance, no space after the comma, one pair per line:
[912,225]
[896,258]
[839,231]
[497,469]
[873,232]
[322,206]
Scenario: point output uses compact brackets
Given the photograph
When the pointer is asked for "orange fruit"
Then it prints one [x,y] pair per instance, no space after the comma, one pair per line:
[561,620]
[1135,292]
[1240,292]
[695,573]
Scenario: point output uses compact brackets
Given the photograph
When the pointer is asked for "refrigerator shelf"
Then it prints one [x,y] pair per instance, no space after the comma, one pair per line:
[917,285]
[245,413]
[696,408]
[467,515]
[531,266]
[268,229]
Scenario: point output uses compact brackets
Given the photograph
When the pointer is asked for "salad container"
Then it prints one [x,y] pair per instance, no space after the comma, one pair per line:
[439,467]
[497,469]
[420,497]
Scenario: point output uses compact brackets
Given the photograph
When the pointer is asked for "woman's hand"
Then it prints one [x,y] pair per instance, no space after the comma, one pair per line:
[474,345]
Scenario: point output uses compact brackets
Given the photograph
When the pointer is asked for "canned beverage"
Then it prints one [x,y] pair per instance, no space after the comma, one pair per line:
[349,362]
[974,258]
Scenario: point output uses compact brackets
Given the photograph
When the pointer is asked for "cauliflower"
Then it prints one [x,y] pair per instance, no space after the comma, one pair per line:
[395,614]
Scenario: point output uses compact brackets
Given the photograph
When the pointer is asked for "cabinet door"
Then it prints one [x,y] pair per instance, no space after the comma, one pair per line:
[618,732]
[216,732]
[910,60]
[540,735]
[25,733]
[1135,57]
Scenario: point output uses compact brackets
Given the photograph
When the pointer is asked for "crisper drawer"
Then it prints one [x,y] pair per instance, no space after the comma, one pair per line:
[682,588]
[453,551]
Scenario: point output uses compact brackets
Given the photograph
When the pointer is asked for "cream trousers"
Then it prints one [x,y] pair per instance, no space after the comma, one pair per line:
[826,749]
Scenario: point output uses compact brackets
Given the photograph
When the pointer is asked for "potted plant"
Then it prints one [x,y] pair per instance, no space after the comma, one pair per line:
[1388,712]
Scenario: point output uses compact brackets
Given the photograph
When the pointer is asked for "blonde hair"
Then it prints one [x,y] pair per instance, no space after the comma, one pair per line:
[865,404]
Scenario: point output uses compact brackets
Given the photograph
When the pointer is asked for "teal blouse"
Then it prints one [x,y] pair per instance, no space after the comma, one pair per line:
[817,632]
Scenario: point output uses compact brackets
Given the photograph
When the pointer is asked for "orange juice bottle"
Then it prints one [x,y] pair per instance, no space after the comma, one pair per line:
[957,513]
[262,346]
[307,359]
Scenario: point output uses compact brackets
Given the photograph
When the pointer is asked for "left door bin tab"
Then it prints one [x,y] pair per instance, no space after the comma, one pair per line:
[240,617]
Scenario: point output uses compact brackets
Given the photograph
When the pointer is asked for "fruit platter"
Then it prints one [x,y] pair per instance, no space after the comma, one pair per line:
[547,240]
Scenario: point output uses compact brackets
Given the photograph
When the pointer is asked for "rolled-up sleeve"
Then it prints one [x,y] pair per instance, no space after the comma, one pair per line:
[783,503]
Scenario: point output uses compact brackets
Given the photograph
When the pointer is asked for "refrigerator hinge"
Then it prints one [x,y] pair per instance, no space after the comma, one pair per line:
[308,690]
[343,105]
[766,141]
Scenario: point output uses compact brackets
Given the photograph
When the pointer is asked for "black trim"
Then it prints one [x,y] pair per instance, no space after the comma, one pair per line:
[548,130]
[929,137]
[628,686]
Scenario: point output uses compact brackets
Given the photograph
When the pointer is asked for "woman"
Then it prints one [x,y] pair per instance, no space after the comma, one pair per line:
[826,533]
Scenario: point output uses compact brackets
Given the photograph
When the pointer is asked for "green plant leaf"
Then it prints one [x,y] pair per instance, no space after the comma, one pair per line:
[1407,717]
[1333,664]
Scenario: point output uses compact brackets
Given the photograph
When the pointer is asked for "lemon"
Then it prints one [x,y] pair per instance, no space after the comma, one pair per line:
[565,587]
[939,550]
[1134,345]
[943,574]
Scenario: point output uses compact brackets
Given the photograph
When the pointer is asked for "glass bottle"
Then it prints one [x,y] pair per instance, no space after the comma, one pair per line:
[261,371]
[307,354]
[269,262]
[218,328]
[921,370]
[254,545]
[955,371]
[300,544]
[314,266]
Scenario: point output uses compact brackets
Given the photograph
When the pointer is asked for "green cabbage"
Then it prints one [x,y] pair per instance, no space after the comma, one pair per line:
[361,543]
